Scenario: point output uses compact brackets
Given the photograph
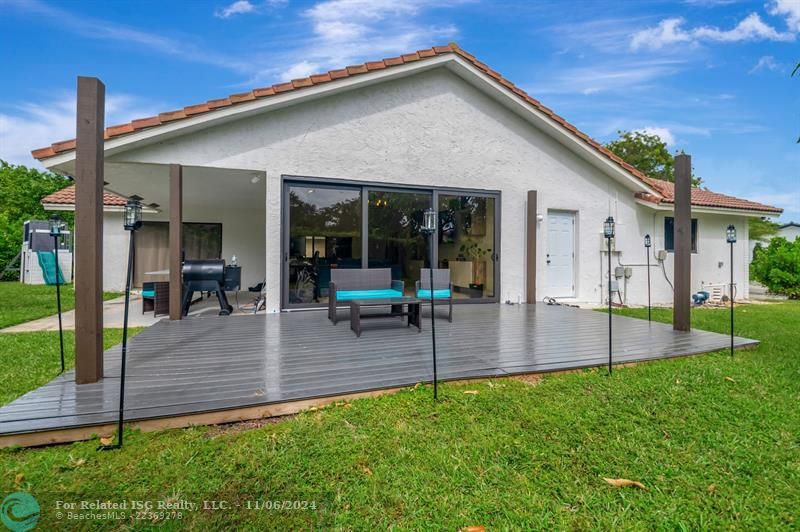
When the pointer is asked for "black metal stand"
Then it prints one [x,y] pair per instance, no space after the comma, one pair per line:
[649,315]
[128,282]
[609,306]
[433,327]
[58,300]
[732,298]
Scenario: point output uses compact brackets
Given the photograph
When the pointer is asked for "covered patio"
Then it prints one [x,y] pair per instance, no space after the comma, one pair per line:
[213,370]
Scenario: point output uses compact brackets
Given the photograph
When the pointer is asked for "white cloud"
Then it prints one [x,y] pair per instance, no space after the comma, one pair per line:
[788,201]
[789,9]
[766,62]
[667,32]
[29,126]
[237,8]
[300,70]
[662,132]
[105,30]
[348,31]
[616,76]
[670,31]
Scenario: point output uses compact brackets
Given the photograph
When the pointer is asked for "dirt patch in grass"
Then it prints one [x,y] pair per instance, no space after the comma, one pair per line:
[531,379]
[230,429]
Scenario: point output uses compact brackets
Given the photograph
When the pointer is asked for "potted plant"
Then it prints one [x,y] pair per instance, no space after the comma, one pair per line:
[476,254]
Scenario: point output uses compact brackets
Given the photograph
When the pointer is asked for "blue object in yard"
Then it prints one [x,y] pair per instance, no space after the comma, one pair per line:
[47,261]
[700,297]
[437,294]
[346,295]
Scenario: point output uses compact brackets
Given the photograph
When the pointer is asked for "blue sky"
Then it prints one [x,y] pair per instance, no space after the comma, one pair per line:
[712,77]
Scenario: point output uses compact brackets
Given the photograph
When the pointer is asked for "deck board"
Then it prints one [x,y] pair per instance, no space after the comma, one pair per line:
[210,364]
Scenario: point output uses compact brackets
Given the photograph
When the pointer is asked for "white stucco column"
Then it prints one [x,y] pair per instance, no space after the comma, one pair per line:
[273,241]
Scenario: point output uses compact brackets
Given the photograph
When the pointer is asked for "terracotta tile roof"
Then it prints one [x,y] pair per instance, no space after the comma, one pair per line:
[66,196]
[704,198]
[699,197]
[317,79]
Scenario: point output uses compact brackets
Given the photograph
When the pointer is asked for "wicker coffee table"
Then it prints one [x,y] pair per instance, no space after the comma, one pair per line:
[396,305]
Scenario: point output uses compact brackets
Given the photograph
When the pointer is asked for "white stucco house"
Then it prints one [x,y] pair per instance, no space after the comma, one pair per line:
[334,171]
[789,231]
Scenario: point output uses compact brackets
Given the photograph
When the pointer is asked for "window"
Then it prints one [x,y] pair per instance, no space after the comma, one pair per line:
[200,241]
[669,234]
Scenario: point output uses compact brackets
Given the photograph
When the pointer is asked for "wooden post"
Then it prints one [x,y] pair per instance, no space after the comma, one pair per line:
[89,230]
[175,240]
[530,253]
[681,317]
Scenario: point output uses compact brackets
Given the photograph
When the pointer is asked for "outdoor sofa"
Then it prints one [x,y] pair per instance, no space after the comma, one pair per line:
[357,283]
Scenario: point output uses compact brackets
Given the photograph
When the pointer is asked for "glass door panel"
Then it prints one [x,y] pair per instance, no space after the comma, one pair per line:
[394,238]
[324,224]
[467,244]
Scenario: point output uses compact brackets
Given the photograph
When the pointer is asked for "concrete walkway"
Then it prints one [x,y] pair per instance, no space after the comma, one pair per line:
[113,311]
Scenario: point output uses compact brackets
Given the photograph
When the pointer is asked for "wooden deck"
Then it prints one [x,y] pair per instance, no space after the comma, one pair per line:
[248,366]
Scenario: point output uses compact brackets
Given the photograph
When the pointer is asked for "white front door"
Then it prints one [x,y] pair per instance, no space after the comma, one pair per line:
[560,254]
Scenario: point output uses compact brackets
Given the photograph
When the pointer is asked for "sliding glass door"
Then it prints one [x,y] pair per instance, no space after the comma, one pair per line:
[394,238]
[324,232]
[468,244]
[329,226]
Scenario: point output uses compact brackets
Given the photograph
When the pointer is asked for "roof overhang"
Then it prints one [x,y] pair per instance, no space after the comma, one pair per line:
[69,207]
[700,209]
[64,163]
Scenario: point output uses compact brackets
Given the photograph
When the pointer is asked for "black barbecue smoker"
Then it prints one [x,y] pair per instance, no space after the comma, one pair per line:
[209,276]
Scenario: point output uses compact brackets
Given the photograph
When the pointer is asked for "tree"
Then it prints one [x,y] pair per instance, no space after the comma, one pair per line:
[648,154]
[762,229]
[777,267]
[21,190]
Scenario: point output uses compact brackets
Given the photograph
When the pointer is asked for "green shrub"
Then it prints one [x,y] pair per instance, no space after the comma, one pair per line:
[777,266]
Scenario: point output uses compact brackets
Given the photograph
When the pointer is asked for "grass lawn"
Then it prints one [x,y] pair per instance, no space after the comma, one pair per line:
[714,439]
[29,360]
[26,302]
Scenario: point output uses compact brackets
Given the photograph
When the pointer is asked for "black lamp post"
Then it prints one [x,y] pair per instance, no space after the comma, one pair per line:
[647,245]
[132,221]
[731,238]
[608,233]
[56,229]
[429,228]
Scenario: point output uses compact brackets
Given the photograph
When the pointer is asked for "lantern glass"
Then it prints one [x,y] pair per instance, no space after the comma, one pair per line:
[133,215]
[56,225]
[429,221]
[608,227]
[731,233]
[647,242]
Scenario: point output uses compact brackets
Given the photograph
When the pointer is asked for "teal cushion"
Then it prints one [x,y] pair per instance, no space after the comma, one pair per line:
[344,295]
[149,293]
[443,293]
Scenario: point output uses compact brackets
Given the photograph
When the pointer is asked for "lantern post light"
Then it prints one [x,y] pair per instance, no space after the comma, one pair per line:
[429,225]
[56,229]
[132,221]
[731,238]
[608,233]
[647,244]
